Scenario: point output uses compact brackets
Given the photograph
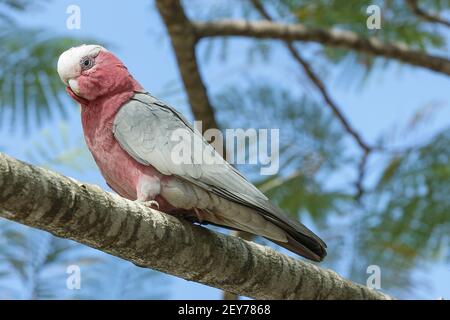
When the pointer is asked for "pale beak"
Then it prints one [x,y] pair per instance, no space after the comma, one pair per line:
[73,84]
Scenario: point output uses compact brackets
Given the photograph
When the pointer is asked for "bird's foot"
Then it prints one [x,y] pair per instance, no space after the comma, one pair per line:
[200,215]
[152,204]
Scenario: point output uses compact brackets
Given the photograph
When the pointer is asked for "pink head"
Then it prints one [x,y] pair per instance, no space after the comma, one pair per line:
[91,72]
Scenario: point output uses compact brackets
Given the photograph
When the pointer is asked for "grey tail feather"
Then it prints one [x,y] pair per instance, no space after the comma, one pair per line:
[304,246]
[305,243]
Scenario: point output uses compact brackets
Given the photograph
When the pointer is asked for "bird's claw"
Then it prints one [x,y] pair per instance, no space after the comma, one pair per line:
[152,204]
[199,215]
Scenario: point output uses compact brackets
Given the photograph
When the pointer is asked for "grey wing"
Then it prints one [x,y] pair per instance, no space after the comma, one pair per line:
[153,133]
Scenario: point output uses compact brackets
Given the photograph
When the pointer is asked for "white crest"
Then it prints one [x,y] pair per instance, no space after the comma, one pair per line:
[69,61]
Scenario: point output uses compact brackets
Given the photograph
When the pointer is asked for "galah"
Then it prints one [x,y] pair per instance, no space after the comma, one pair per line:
[129,133]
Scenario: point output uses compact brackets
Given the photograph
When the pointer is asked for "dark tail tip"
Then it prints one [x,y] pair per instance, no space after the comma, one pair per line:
[305,246]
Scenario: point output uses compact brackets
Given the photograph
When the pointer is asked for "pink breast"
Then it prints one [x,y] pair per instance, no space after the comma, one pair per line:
[121,171]
[118,168]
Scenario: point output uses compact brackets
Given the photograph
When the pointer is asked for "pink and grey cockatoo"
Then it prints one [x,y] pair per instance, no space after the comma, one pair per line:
[128,132]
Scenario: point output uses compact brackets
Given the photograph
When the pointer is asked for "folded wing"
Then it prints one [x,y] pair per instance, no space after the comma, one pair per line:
[151,132]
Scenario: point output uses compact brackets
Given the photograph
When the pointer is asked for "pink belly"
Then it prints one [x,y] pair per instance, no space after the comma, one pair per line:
[120,170]
[122,173]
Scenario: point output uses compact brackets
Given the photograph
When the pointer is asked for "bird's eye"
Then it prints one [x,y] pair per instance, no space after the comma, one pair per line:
[86,63]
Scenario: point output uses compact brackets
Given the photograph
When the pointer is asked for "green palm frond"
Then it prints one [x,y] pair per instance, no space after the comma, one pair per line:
[20,5]
[311,144]
[398,24]
[35,261]
[113,278]
[30,88]
[406,224]
[413,204]
[58,148]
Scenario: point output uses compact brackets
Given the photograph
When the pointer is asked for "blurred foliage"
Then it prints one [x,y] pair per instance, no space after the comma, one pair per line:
[399,24]
[311,144]
[405,225]
[30,89]
[414,195]
[118,279]
[12,6]
[33,264]
[62,151]
[401,224]
[312,150]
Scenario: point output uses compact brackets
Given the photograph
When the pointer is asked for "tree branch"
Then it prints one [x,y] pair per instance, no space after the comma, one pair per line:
[414,5]
[362,166]
[46,200]
[307,68]
[183,40]
[334,38]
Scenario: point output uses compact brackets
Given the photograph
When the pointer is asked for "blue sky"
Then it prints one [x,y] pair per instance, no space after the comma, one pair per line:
[137,35]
